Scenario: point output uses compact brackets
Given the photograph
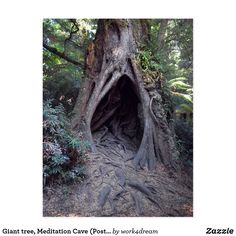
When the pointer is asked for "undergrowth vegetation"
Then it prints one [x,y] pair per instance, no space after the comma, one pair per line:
[63,154]
[184,141]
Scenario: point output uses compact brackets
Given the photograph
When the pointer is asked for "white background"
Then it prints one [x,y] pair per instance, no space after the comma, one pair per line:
[214,111]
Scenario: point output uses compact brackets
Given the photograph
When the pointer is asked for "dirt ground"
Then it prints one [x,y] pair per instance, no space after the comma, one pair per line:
[113,187]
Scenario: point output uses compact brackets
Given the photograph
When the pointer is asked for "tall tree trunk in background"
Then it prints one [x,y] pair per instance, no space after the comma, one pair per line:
[113,92]
[161,34]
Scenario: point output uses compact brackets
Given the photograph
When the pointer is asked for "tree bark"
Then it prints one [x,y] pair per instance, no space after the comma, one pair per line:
[114,91]
[161,34]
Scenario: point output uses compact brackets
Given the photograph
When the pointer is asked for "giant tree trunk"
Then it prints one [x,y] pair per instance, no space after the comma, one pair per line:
[113,94]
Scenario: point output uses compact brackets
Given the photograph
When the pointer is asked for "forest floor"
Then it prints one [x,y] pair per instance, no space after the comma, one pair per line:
[113,187]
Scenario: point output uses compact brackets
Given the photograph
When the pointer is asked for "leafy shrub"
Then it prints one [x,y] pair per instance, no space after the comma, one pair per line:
[148,61]
[63,153]
[184,136]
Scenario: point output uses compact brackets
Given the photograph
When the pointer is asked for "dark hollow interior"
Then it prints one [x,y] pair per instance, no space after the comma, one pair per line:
[120,111]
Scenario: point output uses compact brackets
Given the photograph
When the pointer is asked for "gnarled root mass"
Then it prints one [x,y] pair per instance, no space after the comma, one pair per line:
[114,187]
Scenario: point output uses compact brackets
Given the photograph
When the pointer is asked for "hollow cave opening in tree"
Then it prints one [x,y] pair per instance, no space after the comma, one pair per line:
[120,112]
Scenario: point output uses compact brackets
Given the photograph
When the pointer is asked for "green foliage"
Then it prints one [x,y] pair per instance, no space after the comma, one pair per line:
[62,86]
[143,58]
[70,36]
[182,94]
[184,140]
[148,61]
[61,79]
[63,153]
[178,83]
[173,61]
[185,108]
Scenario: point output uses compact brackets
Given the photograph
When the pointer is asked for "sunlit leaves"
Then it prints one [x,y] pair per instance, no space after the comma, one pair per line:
[185,108]
[186,97]
[181,91]
[179,84]
[69,37]
[174,60]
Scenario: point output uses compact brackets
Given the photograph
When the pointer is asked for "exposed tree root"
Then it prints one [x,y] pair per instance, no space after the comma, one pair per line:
[103,195]
[114,187]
